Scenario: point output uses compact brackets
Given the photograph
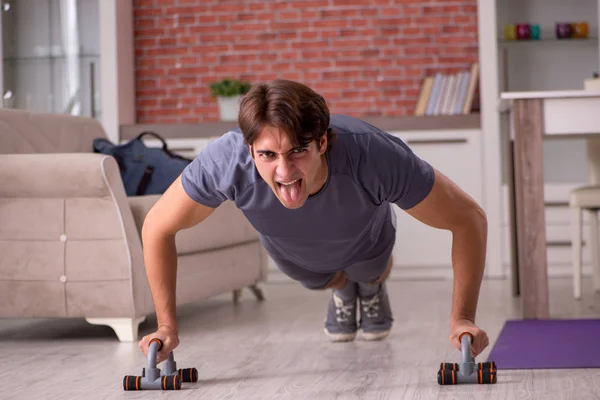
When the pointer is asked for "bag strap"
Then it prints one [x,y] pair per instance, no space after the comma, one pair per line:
[144,181]
[165,148]
[156,135]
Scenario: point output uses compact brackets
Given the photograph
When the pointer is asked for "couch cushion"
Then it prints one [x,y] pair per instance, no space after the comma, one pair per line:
[222,270]
[32,132]
[32,299]
[226,226]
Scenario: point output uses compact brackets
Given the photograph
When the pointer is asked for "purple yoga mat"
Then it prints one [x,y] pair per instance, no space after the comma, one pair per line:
[545,344]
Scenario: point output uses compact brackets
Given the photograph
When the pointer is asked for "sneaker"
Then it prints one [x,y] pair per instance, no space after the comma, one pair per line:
[375,314]
[340,323]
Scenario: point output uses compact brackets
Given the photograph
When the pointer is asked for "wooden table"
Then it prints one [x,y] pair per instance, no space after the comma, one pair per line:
[534,116]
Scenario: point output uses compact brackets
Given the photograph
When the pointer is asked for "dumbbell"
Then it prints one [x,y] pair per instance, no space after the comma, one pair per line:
[153,378]
[467,371]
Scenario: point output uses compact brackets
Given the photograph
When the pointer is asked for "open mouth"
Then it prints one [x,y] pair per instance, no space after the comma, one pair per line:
[290,190]
[290,182]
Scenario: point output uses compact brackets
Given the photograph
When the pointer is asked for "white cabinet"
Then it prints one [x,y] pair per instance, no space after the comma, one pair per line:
[69,56]
[423,251]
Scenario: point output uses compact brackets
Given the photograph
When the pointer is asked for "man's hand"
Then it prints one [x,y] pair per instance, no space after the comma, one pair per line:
[168,336]
[480,337]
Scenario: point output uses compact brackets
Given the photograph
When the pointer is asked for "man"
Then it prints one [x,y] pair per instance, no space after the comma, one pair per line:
[319,190]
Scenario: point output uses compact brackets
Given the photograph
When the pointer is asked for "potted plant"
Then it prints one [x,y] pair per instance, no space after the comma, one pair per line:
[228,92]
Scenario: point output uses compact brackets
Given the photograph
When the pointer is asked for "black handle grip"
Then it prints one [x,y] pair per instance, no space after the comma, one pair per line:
[487,365]
[188,375]
[486,376]
[455,366]
[131,382]
[449,366]
[447,377]
[171,382]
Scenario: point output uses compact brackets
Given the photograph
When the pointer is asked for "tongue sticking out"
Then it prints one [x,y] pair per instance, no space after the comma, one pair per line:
[291,193]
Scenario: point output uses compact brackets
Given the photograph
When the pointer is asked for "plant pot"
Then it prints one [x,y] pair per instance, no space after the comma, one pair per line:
[229,107]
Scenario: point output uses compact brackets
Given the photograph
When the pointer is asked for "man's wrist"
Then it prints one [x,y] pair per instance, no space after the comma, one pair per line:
[168,326]
[455,319]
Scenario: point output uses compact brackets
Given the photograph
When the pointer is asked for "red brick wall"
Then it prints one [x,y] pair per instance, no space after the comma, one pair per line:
[367,57]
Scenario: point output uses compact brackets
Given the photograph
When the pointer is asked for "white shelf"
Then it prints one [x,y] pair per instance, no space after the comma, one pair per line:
[589,40]
[550,94]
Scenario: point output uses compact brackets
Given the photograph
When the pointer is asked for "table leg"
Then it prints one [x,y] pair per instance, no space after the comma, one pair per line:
[530,212]
[509,171]
[516,290]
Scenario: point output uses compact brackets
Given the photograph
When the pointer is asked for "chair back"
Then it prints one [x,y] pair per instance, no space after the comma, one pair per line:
[593,160]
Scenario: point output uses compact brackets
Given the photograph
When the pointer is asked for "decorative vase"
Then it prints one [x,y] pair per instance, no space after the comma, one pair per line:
[563,30]
[535,32]
[579,30]
[229,107]
[523,31]
[510,32]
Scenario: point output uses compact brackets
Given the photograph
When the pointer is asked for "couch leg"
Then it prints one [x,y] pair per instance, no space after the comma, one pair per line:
[257,292]
[237,294]
[125,328]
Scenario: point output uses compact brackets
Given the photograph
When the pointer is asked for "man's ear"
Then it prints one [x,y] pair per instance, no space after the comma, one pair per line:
[323,144]
[251,150]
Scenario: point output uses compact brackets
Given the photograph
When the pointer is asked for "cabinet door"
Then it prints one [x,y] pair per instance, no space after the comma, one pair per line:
[420,249]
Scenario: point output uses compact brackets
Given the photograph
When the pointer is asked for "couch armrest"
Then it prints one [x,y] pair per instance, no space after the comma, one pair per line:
[80,195]
[58,175]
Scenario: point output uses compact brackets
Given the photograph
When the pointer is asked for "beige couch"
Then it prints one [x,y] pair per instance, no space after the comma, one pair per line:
[70,237]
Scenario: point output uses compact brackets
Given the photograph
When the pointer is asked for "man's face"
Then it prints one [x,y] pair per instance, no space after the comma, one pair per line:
[293,173]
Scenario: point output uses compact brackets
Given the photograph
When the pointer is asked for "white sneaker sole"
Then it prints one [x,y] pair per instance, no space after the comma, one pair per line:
[373,336]
[340,337]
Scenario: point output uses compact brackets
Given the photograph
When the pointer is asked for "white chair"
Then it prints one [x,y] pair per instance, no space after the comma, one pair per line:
[586,198]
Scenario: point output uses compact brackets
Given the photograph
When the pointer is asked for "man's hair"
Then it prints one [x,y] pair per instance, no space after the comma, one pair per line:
[290,106]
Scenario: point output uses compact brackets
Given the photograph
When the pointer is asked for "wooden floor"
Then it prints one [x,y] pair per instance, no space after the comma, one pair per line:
[277,350]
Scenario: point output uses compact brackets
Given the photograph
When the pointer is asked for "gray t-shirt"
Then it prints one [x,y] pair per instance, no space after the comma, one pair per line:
[348,221]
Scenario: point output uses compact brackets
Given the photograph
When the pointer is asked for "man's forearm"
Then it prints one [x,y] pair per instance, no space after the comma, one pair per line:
[468,259]
[160,258]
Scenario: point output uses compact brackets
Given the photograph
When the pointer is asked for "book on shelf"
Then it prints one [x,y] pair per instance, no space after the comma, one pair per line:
[448,94]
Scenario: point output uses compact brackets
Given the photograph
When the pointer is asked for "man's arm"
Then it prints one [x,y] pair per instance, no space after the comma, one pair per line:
[449,207]
[174,211]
